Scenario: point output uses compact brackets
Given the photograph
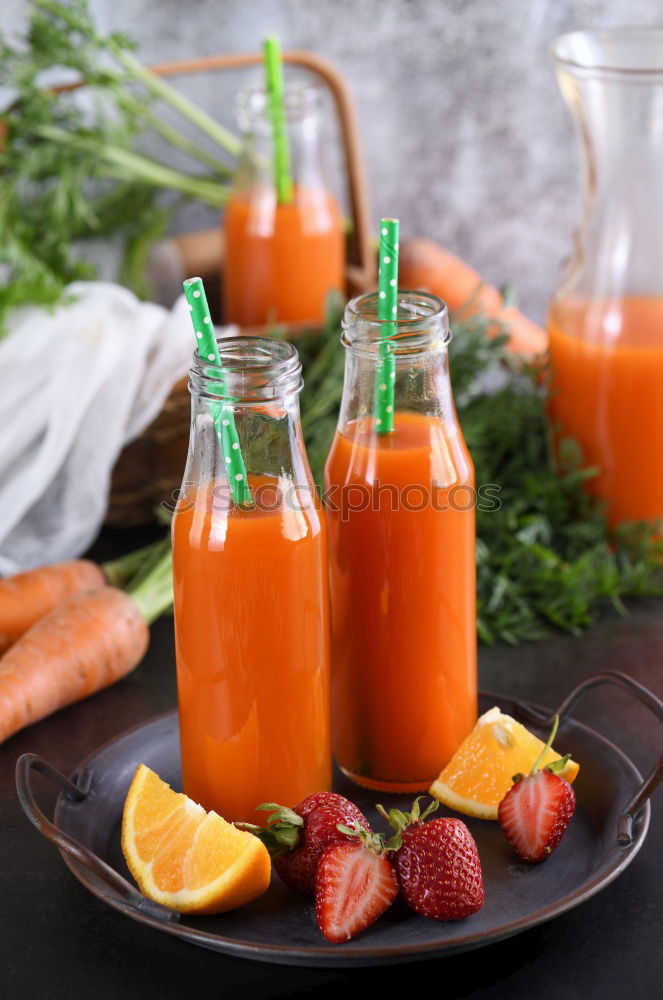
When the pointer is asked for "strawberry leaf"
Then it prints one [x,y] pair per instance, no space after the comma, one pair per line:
[558,765]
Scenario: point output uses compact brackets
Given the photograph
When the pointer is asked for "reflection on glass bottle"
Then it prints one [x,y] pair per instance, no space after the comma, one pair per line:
[606,318]
[402,556]
[251,594]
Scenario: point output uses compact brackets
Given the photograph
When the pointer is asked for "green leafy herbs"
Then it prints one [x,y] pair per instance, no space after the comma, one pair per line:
[545,558]
[70,163]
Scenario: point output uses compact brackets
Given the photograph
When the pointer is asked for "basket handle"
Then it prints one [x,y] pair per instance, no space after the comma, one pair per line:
[645,697]
[28,762]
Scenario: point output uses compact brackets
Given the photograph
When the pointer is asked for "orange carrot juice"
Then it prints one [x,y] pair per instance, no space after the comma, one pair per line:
[252,660]
[401,522]
[281,260]
[607,393]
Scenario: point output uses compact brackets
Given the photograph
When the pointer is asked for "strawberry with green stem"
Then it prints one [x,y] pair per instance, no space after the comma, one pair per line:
[296,838]
[537,809]
[437,863]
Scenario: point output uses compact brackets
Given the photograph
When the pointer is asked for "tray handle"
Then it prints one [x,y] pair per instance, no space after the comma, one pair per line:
[645,697]
[28,762]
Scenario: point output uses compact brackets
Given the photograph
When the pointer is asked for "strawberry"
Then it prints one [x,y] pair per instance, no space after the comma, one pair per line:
[537,809]
[355,884]
[437,864]
[297,837]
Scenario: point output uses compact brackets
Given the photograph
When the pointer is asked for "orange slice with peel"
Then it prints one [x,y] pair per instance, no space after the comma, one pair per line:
[480,773]
[185,858]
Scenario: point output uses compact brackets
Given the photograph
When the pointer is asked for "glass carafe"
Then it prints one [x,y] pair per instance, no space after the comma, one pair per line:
[281,259]
[400,509]
[251,594]
[606,318]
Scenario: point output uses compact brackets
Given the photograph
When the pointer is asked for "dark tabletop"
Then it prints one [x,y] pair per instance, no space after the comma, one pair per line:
[59,941]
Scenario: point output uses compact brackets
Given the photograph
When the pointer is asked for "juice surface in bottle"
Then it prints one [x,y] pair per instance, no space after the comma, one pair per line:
[282,260]
[402,535]
[607,393]
[284,244]
[251,595]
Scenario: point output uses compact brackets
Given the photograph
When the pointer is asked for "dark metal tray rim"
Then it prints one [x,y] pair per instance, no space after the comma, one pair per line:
[292,956]
[352,954]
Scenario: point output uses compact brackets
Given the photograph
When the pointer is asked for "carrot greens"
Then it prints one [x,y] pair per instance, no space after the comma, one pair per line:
[74,165]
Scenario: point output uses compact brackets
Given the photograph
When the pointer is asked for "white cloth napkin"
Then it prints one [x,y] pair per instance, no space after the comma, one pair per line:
[76,385]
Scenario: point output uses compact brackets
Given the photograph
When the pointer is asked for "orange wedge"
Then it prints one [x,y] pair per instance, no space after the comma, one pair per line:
[480,773]
[184,857]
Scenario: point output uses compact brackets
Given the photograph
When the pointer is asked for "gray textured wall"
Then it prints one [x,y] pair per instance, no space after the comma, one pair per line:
[465,134]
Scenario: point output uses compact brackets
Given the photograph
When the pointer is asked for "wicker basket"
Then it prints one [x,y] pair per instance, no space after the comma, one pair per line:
[149,469]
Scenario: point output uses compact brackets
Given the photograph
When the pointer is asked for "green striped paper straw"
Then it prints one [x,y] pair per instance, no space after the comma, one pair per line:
[222,415]
[276,109]
[387,309]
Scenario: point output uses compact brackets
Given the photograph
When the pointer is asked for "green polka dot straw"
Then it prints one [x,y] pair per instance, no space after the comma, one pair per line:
[274,86]
[222,415]
[387,310]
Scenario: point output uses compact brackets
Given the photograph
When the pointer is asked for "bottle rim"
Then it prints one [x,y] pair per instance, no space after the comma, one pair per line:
[252,371]
[301,98]
[421,323]
[585,53]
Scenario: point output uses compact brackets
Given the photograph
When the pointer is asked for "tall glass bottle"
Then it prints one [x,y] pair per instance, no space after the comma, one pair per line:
[282,259]
[606,317]
[251,594]
[401,520]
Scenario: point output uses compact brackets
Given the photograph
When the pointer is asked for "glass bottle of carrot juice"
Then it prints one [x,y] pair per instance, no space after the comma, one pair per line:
[606,319]
[251,594]
[401,522]
[281,259]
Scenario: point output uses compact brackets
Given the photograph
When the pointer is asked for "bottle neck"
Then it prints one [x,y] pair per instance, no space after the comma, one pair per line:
[303,125]
[258,385]
[418,339]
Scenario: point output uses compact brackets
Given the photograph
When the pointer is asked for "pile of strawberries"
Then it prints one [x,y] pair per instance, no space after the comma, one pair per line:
[325,847]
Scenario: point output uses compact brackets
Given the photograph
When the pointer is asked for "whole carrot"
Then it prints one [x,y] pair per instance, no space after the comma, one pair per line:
[426,265]
[27,597]
[86,643]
